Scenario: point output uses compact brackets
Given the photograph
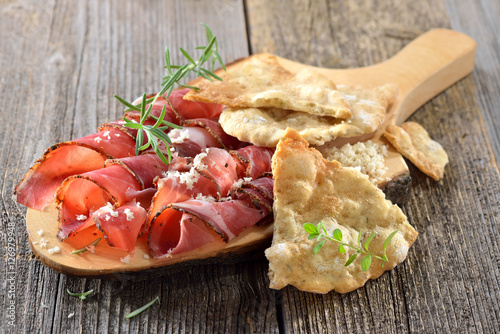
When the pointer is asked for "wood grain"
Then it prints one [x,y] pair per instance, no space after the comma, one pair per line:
[61,62]
[424,68]
[481,23]
[438,288]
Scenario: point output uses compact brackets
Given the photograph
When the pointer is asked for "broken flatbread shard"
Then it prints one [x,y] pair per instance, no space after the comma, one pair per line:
[414,143]
[263,82]
[309,189]
[265,127]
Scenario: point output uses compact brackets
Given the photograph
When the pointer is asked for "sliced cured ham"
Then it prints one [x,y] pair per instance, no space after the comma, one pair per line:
[259,192]
[180,186]
[145,167]
[189,109]
[113,140]
[122,226]
[189,141]
[39,185]
[263,185]
[189,193]
[220,167]
[171,228]
[224,217]
[256,159]
[171,115]
[191,233]
[206,193]
[81,195]
[185,233]
[215,129]
[119,182]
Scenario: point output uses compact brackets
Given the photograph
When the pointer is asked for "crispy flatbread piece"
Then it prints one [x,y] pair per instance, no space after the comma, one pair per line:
[263,82]
[414,143]
[309,189]
[265,127]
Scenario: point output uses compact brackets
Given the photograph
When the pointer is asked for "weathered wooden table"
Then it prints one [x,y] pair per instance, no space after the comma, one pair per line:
[62,61]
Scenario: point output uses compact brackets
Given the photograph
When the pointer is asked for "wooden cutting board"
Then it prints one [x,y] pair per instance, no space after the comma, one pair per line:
[423,69]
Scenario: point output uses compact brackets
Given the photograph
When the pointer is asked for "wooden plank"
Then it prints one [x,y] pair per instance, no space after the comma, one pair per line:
[62,61]
[450,281]
[451,58]
[480,21]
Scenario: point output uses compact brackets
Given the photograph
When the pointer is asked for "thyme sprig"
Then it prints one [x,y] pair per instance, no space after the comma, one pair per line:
[82,295]
[321,234]
[175,73]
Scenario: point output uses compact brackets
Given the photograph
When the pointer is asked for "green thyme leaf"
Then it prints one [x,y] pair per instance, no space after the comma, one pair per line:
[320,233]
[82,295]
[318,247]
[351,259]
[367,242]
[366,262]
[337,234]
[389,238]
[323,228]
[310,228]
[141,309]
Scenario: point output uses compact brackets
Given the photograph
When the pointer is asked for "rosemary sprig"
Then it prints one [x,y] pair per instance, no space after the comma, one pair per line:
[153,132]
[321,234]
[86,248]
[141,309]
[82,295]
[175,73]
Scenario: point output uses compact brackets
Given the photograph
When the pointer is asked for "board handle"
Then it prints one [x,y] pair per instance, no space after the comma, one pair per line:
[426,67]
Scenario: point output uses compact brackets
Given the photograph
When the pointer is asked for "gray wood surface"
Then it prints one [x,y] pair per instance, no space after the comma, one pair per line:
[62,61]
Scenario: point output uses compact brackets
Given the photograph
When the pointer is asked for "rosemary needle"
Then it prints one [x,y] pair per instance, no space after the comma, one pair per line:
[82,295]
[175,73]
[141,309]
[86,248]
